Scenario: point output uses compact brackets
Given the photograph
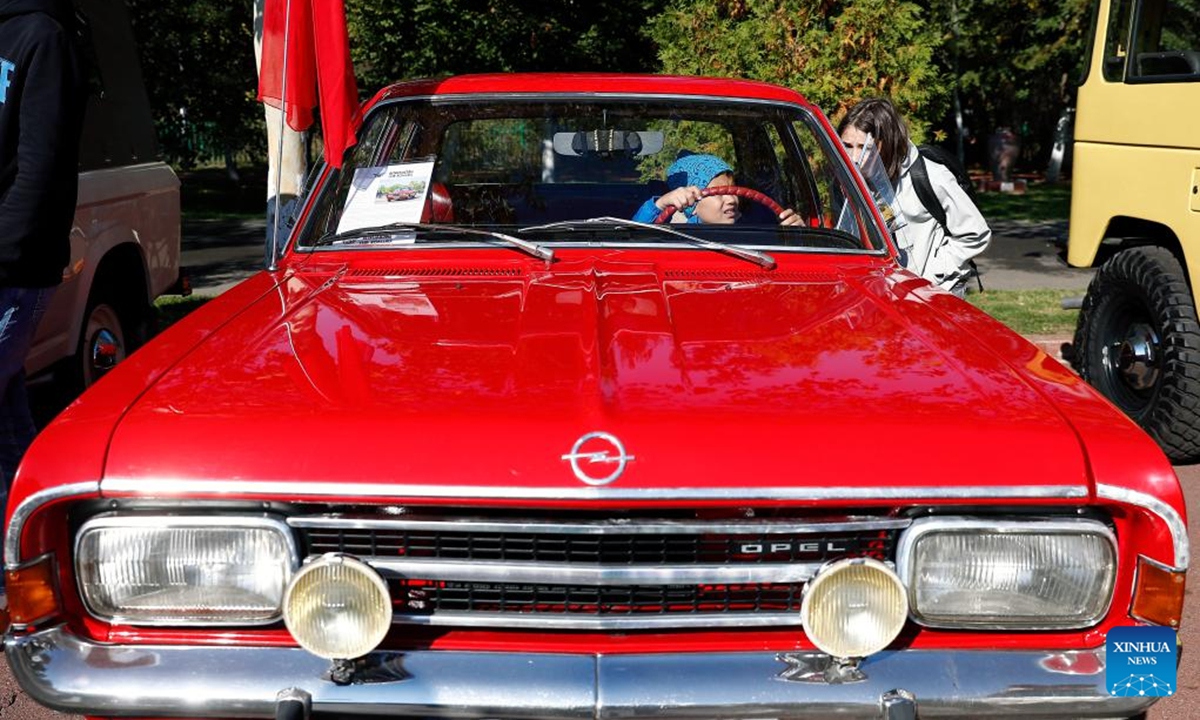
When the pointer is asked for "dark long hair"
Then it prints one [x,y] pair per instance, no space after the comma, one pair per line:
[879,117]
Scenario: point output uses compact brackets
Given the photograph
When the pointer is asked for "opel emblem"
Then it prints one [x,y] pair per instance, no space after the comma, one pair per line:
[593,453]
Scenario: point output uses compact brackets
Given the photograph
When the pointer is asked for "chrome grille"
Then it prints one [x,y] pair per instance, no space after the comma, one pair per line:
[598,574]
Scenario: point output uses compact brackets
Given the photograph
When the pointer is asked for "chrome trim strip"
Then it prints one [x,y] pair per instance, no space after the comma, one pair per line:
[600,527]
[162,487]
[579,574]
[1064,526]
[12,536]
[1164,511]
[578,621]
[166,522]
[76,676]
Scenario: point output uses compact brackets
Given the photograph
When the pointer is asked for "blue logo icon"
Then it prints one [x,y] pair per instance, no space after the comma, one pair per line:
[1140,661]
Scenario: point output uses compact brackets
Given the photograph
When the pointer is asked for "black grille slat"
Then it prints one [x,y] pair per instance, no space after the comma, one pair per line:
[603,550]
[582,575]
[417,597]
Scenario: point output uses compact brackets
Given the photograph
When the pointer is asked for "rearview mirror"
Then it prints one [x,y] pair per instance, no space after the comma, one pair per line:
[634,143]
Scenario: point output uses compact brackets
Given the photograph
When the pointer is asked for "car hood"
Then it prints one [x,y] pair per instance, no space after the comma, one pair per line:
[479,382]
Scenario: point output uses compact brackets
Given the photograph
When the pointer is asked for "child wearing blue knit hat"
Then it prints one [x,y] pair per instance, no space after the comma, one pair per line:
[686,177]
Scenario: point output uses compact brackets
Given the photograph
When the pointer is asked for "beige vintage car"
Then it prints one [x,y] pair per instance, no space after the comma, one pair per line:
[126,235]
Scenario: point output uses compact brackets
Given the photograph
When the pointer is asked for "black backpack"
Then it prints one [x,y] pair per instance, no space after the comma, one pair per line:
[924,188]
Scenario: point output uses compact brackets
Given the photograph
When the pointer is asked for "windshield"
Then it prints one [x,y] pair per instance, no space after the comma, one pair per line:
[427,171]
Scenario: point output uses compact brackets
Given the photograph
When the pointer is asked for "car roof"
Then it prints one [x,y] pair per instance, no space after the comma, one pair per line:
[591,84]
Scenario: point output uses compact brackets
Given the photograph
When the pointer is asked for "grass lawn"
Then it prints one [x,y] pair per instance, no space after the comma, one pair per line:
[209,193]
[1029,312]
[170,309]
[1039,202]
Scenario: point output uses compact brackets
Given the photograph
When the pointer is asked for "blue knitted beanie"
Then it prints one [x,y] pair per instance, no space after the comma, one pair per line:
[698,170]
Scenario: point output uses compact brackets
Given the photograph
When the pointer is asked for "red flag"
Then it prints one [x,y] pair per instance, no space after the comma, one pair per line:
[318,59]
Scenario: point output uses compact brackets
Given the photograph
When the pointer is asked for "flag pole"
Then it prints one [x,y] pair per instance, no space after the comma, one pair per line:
[273,244]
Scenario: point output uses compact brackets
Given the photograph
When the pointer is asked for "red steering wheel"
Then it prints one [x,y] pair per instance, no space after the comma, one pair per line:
[742,192]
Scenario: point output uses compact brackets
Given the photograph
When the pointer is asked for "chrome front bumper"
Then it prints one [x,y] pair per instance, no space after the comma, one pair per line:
[65,673]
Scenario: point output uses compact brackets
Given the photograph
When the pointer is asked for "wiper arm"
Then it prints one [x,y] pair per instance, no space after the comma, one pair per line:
[531,248]
[754,256]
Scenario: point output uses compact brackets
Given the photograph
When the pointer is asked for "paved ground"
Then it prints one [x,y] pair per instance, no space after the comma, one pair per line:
[1027,255]
[218,254]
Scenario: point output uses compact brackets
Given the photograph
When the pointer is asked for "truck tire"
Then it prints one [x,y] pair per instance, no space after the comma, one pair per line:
[1138,343]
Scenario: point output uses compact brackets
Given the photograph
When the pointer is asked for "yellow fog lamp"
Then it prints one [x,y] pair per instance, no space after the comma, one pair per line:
[854,608]
[337,607]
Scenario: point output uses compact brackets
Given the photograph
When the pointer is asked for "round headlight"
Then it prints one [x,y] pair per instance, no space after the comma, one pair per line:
[854,608]
[337,608]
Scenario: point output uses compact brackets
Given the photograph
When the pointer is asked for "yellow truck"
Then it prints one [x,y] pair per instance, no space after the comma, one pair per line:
[1135,215]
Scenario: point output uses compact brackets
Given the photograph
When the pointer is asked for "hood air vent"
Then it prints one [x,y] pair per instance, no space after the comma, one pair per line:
[721,275]
[451,271]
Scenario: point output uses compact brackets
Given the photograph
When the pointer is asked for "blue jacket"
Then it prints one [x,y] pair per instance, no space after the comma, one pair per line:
[648,211]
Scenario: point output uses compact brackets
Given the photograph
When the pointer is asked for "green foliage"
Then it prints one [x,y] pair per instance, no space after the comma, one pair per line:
[833,51]
[198,66]
[396,41]
[689,135]
[1017,62]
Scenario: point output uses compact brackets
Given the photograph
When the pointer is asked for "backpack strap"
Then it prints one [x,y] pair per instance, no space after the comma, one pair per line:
[924,189]
[920,177]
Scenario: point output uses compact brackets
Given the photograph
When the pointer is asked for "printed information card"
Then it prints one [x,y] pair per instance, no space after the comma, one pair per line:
[385,195]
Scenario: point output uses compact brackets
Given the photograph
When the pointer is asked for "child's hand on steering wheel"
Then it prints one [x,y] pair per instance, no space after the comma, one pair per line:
[680,197]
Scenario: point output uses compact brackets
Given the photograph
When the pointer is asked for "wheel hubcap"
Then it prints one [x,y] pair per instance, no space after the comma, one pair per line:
[105,343]
[105,350]
[1137,357]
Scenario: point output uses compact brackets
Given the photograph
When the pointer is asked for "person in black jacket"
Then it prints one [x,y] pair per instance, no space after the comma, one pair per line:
[42,97]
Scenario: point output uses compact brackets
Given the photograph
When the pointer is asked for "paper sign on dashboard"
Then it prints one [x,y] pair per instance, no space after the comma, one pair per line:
[387,194]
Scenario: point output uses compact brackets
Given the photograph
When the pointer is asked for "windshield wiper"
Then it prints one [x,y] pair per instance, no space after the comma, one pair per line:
[754,256]
[531,248]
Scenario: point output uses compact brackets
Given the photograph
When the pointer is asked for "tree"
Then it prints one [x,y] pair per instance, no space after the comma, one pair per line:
[199,71]
[394,41]
[832,51]
[1018,63]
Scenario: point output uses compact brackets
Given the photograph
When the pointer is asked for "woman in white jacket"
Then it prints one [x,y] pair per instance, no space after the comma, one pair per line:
[941,254]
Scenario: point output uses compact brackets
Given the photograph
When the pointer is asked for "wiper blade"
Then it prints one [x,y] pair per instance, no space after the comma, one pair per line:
[754,256]
[531,248]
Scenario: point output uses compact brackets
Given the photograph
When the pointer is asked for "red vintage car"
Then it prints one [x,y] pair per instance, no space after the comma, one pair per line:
[525,456]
